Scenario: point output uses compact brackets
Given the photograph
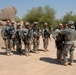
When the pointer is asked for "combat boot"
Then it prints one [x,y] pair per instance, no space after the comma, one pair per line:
[14,48]
[60,59]
[36,52]
[8,54]
[27,54]
[45,50]
[70,63]
[11,54]
[65,64]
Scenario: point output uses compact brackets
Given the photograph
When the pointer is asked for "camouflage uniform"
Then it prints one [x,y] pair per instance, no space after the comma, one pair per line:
[7,36]
[13,39]
[59,43]
[36,36]
[46,36]
[70,35]
[26,37]
[17,36]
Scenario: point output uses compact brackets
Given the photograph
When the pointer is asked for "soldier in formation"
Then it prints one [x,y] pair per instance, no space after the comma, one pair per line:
[27,35]
[7,32]
[17,36]
[45,36]
[13,28]
[36,37]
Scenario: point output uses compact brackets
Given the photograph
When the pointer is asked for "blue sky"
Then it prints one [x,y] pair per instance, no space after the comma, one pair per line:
[61,6]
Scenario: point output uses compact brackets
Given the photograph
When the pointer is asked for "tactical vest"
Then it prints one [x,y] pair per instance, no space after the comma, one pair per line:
[36,30]
[8,31]
[46,33]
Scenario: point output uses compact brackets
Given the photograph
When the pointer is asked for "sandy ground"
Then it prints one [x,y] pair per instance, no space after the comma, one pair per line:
[44,63]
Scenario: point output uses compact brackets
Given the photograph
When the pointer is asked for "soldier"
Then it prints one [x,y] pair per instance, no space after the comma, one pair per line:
[58,41]
[7,36]
[13,28]
[36,36]
[70,35]
[46,36]
[18,38]
[27,36]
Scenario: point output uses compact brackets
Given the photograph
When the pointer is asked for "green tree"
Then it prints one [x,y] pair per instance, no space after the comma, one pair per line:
[17,18]
[69,16]
[41,15]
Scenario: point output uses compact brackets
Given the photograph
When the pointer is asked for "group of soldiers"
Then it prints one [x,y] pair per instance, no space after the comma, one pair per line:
[65,36]
[14,34]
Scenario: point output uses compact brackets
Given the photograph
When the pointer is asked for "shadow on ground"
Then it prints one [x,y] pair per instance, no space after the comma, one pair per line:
[2,53]
[74,61]
[40,50]
[50,60]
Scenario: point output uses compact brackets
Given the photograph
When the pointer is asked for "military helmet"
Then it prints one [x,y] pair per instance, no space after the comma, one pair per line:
[35,23]
[18,24]
[71,23]
[45,24]
[27,24]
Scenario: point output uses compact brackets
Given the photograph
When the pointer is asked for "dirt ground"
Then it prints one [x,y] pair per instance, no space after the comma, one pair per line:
[44,63]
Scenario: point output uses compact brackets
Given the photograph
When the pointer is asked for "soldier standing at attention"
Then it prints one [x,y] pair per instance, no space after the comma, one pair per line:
[7,36]
[46,36]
